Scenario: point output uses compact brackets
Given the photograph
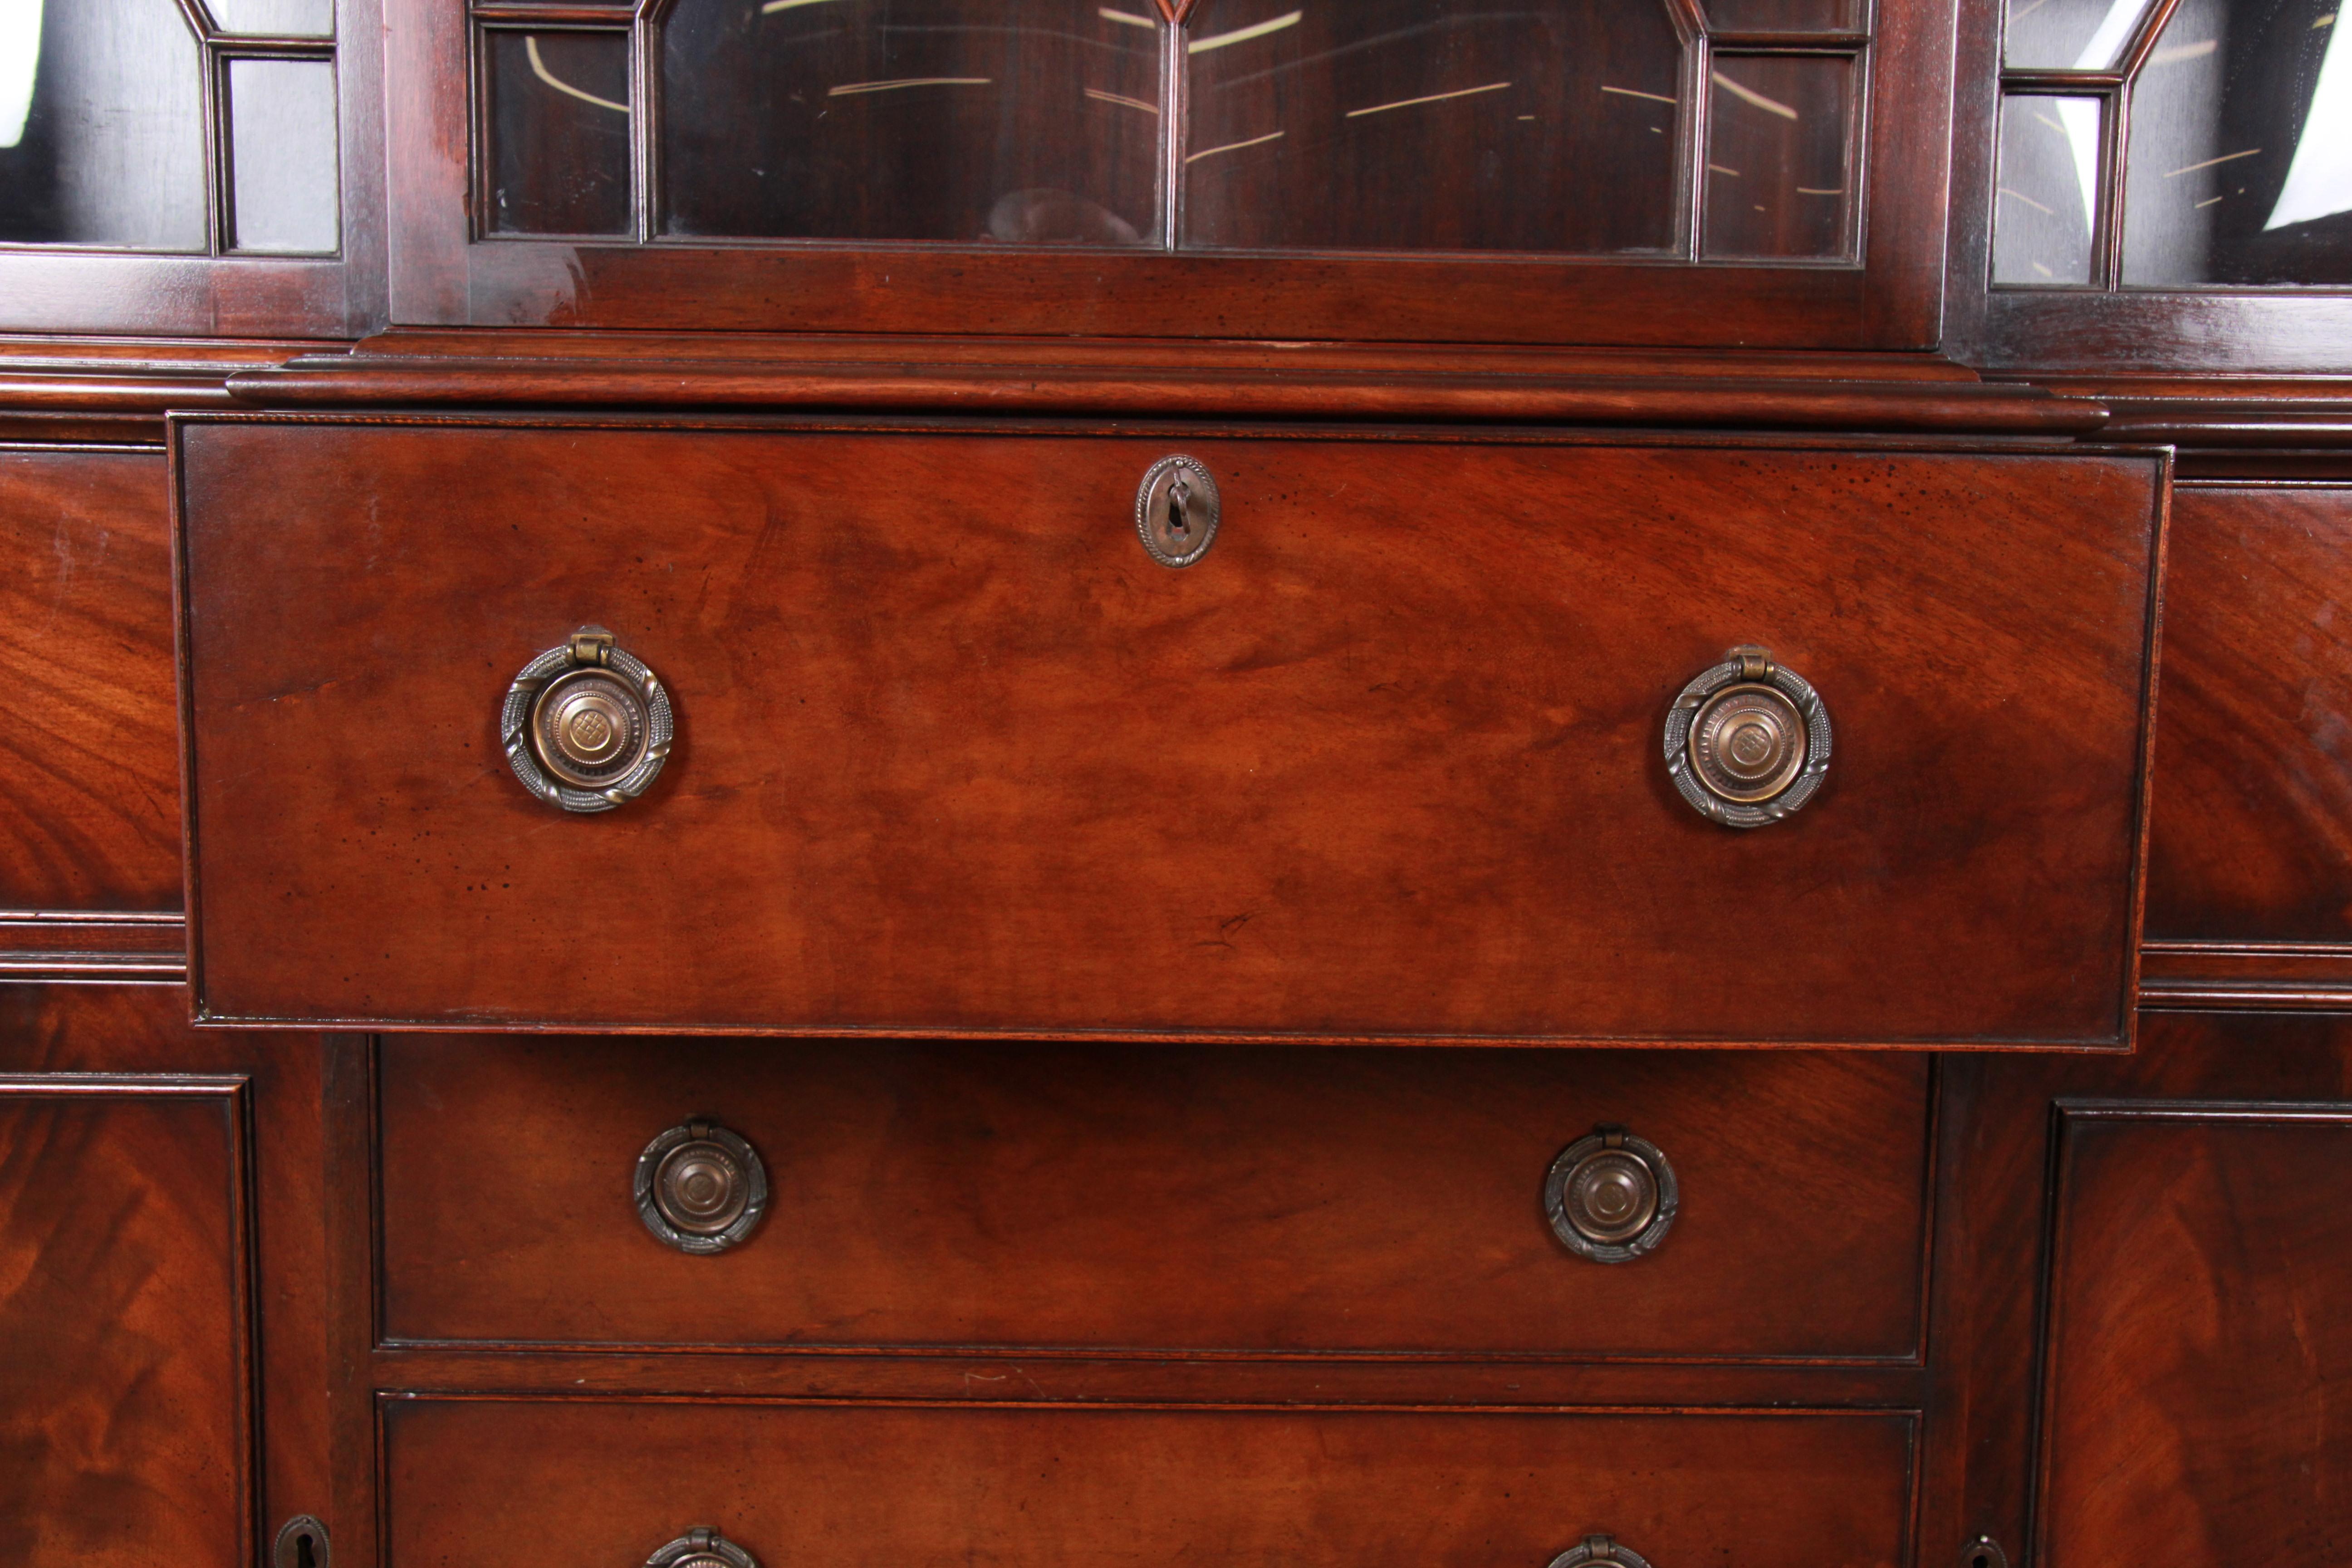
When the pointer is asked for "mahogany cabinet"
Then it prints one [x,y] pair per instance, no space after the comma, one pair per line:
[829,782]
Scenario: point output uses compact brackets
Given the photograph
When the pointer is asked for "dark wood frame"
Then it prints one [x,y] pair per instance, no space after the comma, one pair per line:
[442,276]
[63,289]
[2105,329]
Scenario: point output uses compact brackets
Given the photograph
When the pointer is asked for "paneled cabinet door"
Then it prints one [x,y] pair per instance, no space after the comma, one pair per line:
[2199,1353]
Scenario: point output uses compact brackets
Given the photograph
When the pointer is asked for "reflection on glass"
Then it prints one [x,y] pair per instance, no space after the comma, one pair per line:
[2046,190]
[274,18]
[1783,15]
[1778,180]
[283,178]
[558,115]
[101,125]
[2240,167]
[1029,122]
[1432,124]
[2068,35]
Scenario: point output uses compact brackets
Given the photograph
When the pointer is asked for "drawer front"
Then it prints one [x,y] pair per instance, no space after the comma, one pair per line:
[1133,1197]
[954,754]
[598,1482]
[89,781]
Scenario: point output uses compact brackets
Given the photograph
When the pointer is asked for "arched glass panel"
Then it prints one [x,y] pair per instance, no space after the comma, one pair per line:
[1030,121]
[1432,124]
[101,125]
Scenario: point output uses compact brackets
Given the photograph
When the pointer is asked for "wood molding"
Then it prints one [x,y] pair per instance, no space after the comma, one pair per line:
[83,947]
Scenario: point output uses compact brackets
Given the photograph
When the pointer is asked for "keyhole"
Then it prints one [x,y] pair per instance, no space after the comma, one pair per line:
[304,1557]
[1177,524]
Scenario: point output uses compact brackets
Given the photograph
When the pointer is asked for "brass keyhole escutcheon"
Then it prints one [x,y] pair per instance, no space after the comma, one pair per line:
[1177,511]
[1748,743]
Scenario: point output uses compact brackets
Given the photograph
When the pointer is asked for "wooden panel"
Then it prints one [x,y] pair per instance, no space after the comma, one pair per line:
[123,1334]
[89,783]
[955,755]
[1136,1198]
[2250,832]
[2200,1402]
[598,1481]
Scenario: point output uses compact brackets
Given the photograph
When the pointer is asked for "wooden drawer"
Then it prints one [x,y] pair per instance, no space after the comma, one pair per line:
[1136,1198]
[598,1481]
[954,755]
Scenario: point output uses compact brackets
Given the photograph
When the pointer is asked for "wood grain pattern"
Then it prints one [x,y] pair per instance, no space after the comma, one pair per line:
[124,1045]
[89,785]
[124,1332]
[2249,836]
[602,1481]
[1385,764]
[1288,1201]
[2201,1342]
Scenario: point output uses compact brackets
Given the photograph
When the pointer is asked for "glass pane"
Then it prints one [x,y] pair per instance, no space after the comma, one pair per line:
[2068,35]
[282,163]
[275,18]
[1783,15]
[2047,186]
[1777,174]
[1432,124]
[101,125]
[558,131]
[1029,121]
[2241,151]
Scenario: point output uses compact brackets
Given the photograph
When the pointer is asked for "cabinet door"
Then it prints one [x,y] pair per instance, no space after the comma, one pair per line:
[2200,1390]
[124,1324]
[1568,170]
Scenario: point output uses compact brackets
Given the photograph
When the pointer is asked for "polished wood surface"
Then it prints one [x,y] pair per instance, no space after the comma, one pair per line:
[125,1386]
[89,786]
[2201,1346]
[2250,836]
[605,1481]
[1231,1199]
[168,1285]
[1386,763]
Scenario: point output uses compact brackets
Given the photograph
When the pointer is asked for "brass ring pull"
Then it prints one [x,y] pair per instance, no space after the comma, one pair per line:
[1600,1549]
[586,726]
[702,1549]
[1611,1196]
[701,1188]
[1748,741]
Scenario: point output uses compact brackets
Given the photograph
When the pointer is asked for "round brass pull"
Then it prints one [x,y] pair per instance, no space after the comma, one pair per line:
[1600,1549]
[1611,1196]
[701,1188]
[586,726]
[1748,741]
[702,1549]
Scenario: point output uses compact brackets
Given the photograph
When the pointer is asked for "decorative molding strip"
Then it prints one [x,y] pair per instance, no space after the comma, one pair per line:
[1469,390]
[2264,976]
[87,947]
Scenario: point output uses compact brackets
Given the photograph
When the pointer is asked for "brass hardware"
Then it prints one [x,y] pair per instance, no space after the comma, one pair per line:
[1748,741]
[701,1188]
[301,1543]
[1600,1549]
[1177,511]
[586,726]
[1984,1552]
[702,1549]
[1611,1196]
